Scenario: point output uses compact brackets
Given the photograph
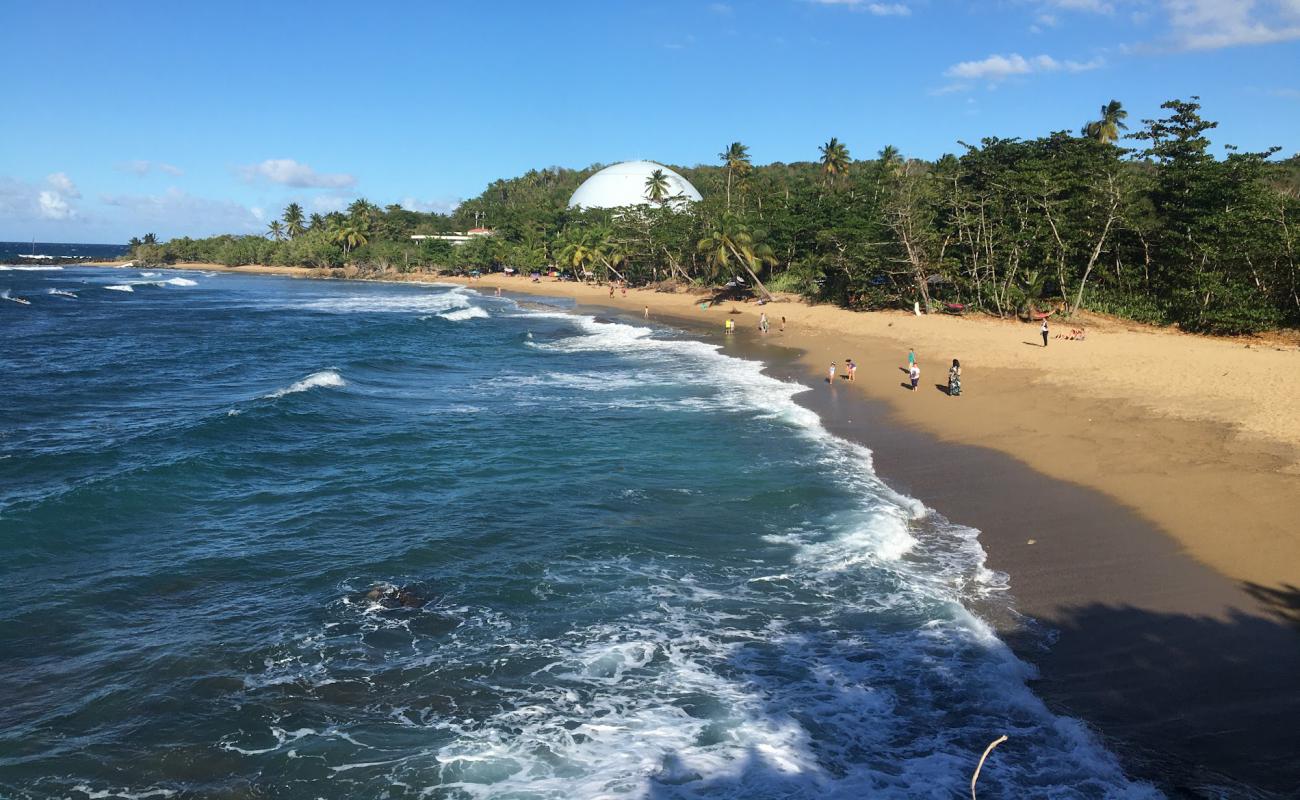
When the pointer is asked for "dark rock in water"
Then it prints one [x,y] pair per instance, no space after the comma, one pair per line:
[391,596]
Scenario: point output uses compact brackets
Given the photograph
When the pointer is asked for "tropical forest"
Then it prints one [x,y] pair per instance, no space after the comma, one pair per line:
[1138,220]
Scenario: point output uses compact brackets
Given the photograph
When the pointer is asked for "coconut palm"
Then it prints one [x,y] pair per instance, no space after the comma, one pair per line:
[349,234]
[276,230]
[835,159]
[736,159]
[890,158]
[150,238]
[316,222]
[656,187]
[728,242]
[363,211]
[293,220]
[1106,129]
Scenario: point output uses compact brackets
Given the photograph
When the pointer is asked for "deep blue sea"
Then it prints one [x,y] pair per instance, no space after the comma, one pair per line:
[12,253]
[630,564]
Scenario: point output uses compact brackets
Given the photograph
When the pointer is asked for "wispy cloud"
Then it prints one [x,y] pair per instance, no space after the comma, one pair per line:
[143,168]
[878,9]
[49,200]
[175,211]
[720,8]
[1214,24]
[287,172]
[997,68]
[426,206]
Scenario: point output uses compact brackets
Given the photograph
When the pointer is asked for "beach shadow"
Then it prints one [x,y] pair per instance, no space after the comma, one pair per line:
[1282,602]
[1187,701]
[906,385]
[904,370]
[943,387]
[1033,344]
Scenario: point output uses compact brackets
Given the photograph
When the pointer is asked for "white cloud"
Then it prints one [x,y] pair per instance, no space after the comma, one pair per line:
[175,212]
[21,201]
[997,68]
[287,172]
[720,8]
[1214,24]
[878,9]
[325,203]
[427,206]
[142,168]
[53,206]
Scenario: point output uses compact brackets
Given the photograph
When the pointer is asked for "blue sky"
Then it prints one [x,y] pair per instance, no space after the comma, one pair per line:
[194,118]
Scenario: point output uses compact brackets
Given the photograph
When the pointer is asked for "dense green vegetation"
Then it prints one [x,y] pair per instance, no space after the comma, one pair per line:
[1161,231]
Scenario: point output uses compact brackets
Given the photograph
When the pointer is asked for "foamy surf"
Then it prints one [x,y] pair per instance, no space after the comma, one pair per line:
[323,379]
[20,268]
[63,293]
[181,282]
[460,315]
[120,287]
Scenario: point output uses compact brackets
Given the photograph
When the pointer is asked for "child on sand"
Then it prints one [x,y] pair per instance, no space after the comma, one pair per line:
[729,326]
[911,358]
[830,374]
[852,370]
[1043,331]
[954,379]
[915,374]
[762,322]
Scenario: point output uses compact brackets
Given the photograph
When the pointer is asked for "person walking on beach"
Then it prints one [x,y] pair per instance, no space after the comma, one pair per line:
[911,358]
[830,374]
[1043,331]
[954,379]
[782,324]
[646,315]
[914,372]
[729,326]
[762,322]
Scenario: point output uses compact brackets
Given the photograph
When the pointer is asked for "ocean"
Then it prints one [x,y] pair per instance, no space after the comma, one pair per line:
[11,253]
[267,537]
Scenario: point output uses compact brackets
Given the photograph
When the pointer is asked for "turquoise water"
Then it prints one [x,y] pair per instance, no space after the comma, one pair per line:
[633,566]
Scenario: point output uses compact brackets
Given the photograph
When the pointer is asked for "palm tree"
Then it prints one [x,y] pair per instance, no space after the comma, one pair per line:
[1106,129]
[656,187]
[736,159]
[363,211]
[293,220]
[729,241]
[835,159]
[890,158]
[149,238]
[316,222]
[349,234]
[276,230]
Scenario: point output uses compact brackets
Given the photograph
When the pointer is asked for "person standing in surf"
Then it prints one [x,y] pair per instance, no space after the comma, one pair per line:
[830,374]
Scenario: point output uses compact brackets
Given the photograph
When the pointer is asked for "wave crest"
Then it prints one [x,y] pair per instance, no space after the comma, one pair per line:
[324,378]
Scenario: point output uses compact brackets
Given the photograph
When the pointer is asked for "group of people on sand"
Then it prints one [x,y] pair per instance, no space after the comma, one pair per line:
[913,370]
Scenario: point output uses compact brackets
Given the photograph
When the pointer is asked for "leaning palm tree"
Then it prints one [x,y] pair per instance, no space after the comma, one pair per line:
[348,234]
[728,242]
[656,187]
[736,159]
[835,159]
[1106,129]
[293,220]
[276,230]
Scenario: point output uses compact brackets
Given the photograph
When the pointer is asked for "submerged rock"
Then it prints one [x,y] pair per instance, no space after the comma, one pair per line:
[391,596]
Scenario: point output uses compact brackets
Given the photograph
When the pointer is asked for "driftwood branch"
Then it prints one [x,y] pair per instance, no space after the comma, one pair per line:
[980,766]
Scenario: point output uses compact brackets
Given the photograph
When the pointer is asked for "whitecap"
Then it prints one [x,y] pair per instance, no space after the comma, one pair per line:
[462,314]
[18,268]
[120,287]
[324,378]
[181,282]
[62,293]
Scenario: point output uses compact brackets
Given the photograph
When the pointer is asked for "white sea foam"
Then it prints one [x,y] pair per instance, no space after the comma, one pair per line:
[19,268]
[462,314]
[377,302]
[62,293]
[324,379]
[148,274]
[120,287]
[181,282]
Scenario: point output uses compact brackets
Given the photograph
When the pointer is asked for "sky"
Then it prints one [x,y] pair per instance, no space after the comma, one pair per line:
[183,118]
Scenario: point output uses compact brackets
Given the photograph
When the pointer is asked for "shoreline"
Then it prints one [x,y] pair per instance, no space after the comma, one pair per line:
[1124,538]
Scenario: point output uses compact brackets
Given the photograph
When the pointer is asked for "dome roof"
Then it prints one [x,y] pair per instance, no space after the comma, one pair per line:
[624,185]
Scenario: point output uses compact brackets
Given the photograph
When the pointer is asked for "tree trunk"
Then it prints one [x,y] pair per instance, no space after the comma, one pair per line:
[745,263]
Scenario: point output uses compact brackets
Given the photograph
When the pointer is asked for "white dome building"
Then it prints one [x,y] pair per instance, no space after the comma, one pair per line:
[624,185]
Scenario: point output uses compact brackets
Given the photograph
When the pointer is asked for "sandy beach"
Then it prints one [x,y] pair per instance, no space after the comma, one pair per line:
[1140,487]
